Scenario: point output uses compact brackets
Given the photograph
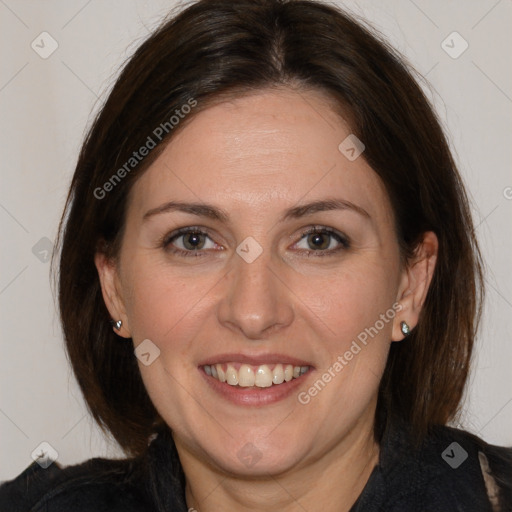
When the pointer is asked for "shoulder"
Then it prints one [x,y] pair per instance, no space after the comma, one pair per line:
[96,485]
[451,470]
[460,471]
[464,464]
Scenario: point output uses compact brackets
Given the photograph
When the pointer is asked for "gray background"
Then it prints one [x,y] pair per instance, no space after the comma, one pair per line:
[46,105]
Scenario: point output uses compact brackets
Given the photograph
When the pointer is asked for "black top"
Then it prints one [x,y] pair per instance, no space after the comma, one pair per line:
[452,471]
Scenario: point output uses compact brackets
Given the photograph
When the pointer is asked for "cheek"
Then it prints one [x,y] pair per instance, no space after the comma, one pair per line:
[162,303]
[353,299]
[354,311]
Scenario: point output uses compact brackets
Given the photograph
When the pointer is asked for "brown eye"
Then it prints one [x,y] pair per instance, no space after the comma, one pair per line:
[189,241]
[322,241]
[193,241]
[319,240]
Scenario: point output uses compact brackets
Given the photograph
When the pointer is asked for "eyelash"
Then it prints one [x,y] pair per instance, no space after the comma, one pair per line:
[342,240]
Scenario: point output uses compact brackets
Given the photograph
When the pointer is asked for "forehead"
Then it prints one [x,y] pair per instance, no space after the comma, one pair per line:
[261,151]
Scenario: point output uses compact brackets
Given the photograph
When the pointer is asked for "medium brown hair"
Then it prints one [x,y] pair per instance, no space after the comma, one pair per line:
[221,47]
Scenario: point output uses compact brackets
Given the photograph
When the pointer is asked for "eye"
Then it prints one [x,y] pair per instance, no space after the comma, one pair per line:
[194,241]
[322,241]
[187,241]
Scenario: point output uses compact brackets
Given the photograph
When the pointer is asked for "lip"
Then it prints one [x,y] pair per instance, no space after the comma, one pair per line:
[255,360]
[255,397]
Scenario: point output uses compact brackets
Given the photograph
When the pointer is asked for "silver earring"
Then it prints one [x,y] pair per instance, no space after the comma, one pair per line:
[116,324]
[404,327]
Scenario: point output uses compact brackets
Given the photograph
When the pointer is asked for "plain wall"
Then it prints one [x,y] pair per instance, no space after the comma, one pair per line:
[46,105]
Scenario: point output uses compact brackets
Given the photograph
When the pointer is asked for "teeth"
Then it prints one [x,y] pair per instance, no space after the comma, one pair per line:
[231,376]
[246,376]
[262,376]
[220,372]
[278,374]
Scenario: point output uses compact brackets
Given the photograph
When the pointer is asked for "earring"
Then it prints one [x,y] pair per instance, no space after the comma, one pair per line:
[116,325]
[404,327]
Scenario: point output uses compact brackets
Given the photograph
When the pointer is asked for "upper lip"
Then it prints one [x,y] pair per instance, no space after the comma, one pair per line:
[254,360]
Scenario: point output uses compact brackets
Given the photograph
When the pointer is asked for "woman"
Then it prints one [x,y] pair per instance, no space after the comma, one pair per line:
[269,283]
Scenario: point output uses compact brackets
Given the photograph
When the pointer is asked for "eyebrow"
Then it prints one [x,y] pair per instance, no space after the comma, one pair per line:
[322,206]
[215,213]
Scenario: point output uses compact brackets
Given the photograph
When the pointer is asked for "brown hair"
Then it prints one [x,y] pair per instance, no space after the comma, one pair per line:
[217,47]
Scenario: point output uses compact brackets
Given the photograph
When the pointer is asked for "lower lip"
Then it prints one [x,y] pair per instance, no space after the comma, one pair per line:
[254,396]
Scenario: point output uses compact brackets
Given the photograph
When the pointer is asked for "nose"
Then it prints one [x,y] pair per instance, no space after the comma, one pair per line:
[256,302]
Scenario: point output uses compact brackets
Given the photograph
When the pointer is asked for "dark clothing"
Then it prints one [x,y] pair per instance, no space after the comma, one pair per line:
[438,477]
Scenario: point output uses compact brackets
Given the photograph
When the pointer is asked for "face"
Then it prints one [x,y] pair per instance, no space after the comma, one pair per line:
[256,251]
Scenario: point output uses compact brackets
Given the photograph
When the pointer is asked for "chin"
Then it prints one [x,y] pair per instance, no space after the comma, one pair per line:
[256,455]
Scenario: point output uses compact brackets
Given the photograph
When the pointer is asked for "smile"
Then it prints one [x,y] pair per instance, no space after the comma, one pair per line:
[262,376]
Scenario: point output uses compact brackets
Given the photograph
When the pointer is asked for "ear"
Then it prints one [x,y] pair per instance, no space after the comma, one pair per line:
[414,284]
[110,288]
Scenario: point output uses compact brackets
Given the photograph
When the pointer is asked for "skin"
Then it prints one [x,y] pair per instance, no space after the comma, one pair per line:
[255,157]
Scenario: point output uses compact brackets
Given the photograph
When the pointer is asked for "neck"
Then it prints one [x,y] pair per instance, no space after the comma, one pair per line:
[330,483]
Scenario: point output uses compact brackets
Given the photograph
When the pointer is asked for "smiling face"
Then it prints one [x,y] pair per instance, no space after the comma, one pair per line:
[290,255]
